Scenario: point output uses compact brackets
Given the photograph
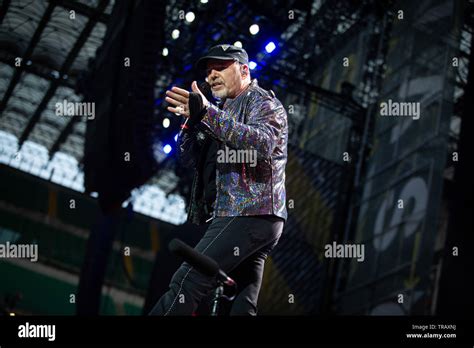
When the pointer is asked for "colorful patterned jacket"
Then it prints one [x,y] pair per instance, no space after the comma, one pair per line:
[249,182]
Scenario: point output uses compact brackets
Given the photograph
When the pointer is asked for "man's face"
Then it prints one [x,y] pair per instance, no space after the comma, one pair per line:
[224,77]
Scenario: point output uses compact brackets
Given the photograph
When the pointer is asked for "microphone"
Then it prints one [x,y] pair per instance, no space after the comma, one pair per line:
[184,125]
[205,88]
[202,263]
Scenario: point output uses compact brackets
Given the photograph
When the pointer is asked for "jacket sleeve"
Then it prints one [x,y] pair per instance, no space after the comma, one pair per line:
[188,149]
[266,120]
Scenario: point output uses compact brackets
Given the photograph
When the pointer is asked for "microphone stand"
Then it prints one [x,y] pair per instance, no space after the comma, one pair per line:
[218,292]
[206,266]
[222,279]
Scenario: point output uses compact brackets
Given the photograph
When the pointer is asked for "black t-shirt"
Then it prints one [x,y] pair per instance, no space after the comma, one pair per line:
[209,173]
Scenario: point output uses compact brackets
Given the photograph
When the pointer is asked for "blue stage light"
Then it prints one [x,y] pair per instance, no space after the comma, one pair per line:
[252,65]
[167,149]
[270,47]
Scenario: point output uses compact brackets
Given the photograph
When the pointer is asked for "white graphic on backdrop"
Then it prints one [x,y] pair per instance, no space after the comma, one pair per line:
[415,189]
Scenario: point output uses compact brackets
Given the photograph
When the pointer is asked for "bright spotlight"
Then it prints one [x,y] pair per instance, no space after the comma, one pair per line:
[238,44]
[165,52]
[254,29]
[175,34]
[190,17]
[270,47]
[167,148]
[166,122]
[252,65]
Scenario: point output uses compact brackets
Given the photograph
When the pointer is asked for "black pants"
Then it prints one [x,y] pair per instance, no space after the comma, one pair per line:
[240,246]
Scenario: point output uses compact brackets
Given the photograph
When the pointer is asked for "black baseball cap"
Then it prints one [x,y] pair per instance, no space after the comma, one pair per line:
[223,52]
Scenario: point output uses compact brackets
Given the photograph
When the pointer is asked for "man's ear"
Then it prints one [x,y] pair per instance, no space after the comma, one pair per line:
[244,70]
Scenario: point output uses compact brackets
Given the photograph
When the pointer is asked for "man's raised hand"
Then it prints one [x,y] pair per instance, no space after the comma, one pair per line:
[179,99]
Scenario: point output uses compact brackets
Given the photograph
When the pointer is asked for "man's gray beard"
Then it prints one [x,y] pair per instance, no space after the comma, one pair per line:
[220,94]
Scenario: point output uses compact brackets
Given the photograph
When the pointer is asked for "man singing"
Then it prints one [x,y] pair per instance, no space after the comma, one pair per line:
[249,211]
